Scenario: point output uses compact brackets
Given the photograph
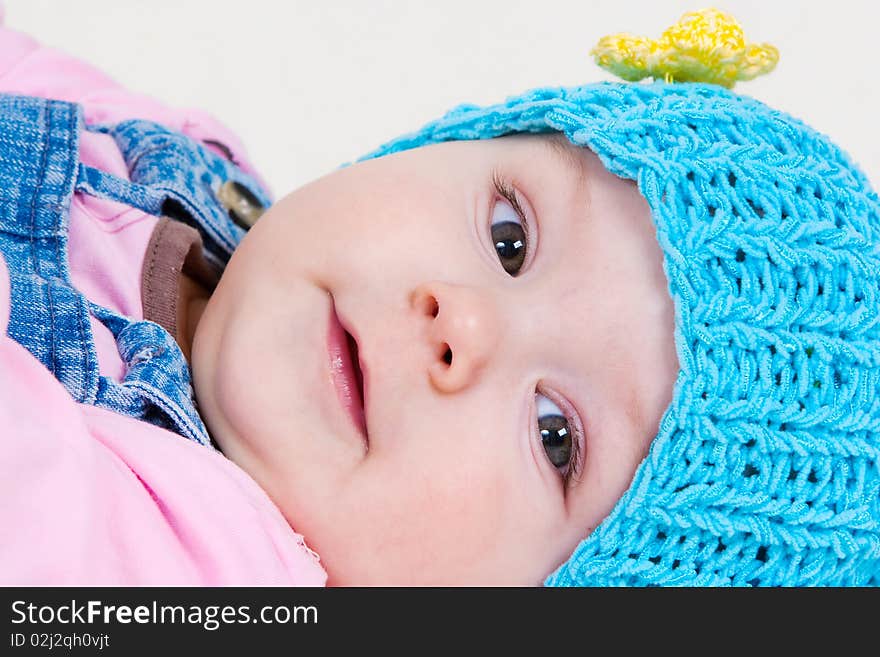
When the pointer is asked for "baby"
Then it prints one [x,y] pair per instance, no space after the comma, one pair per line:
[438,386]
[612,334]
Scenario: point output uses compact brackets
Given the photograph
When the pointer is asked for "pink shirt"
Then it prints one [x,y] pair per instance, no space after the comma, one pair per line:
[89,497]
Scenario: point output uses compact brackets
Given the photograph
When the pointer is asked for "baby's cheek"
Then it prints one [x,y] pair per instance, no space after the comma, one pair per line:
[443,520]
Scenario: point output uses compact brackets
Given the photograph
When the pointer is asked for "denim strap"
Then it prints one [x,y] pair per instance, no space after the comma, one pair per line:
[40,141]
[48,316]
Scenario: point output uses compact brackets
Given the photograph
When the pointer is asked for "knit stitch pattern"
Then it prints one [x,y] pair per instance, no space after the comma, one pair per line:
[764,468]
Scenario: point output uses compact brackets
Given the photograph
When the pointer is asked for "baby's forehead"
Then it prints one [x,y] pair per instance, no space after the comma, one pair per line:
[552,139]
[552,144]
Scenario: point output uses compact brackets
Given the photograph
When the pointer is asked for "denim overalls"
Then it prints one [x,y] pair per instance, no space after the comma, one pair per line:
[171,175]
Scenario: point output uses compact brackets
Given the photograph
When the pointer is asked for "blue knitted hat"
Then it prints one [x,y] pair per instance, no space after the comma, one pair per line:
[764,469]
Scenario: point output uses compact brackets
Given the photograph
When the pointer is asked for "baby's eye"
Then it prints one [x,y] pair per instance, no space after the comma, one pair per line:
[557,437]
[509,229]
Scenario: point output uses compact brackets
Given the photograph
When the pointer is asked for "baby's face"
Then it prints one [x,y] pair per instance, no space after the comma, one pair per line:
[510,391]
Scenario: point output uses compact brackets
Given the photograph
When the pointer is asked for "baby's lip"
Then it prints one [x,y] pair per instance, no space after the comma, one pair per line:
[347,368]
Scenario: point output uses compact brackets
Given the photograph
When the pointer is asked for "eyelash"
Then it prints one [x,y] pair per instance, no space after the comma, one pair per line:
[506,191]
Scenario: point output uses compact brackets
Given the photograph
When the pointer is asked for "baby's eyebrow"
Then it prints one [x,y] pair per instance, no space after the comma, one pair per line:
[565,155]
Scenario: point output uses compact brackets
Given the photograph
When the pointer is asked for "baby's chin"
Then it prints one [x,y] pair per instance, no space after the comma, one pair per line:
[374,561]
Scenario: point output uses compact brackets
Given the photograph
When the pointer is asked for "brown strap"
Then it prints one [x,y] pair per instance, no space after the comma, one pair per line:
[174,249]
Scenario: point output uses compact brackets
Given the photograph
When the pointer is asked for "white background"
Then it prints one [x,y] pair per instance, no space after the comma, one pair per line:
[309,85]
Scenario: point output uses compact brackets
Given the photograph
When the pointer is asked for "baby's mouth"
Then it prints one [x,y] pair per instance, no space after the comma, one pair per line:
[346,370]
[356,366]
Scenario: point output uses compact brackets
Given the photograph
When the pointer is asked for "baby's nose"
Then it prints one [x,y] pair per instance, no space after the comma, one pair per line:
[463,331]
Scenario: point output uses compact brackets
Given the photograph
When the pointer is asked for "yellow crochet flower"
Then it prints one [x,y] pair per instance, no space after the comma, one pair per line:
[703,46]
